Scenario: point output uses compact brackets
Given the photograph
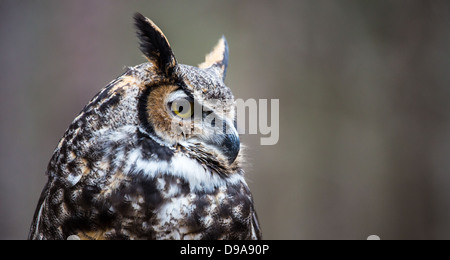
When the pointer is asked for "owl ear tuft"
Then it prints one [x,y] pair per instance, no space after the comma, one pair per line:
[154,45]
[218,58]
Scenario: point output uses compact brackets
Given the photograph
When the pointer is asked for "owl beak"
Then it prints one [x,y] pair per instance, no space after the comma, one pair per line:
[230,146]
[228,142]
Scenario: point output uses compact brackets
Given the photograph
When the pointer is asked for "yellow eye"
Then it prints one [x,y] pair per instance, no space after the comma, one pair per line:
[182,108]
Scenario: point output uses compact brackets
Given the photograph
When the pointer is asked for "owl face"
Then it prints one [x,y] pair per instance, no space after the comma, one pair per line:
[186,105]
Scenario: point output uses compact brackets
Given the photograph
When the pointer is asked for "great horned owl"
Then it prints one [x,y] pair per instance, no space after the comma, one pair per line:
[127,168]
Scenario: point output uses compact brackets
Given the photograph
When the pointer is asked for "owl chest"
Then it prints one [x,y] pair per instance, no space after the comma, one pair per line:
[168,209]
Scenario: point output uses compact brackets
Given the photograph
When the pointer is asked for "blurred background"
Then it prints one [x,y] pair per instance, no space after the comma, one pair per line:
[364,89]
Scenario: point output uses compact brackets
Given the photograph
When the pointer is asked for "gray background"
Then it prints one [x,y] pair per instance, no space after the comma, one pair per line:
[363,88]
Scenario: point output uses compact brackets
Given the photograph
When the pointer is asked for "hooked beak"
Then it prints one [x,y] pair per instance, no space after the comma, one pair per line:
[227,141]
[230,146]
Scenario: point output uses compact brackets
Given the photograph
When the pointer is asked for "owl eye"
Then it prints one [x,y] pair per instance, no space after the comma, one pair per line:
[182,108]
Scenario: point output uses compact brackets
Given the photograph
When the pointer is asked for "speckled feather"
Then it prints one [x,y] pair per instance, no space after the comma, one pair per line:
[114,175]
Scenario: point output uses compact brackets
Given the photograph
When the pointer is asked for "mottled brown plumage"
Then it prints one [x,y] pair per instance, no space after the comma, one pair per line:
[155,155]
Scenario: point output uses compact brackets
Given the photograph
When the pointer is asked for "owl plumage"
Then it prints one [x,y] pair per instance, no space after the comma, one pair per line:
[140,161]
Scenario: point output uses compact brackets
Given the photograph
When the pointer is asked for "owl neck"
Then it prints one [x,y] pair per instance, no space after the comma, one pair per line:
[197,167]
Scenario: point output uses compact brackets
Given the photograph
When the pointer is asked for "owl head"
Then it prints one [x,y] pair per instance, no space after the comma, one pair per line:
[185,105]
[158,117]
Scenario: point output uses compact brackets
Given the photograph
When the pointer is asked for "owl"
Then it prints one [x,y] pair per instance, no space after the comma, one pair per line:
[154,155]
